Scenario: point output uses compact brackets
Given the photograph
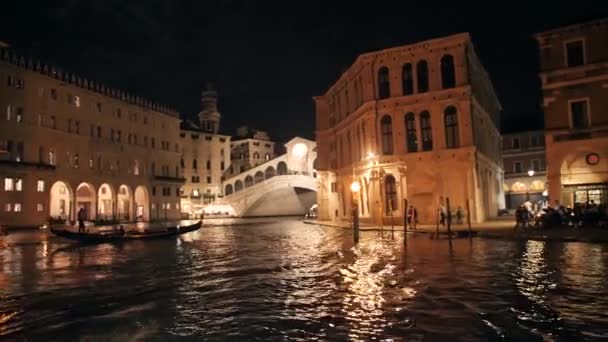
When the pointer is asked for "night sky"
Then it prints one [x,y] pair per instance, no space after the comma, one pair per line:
[268,58]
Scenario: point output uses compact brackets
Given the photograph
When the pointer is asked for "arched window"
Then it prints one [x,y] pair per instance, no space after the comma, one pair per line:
[448,76]
[228,190]
[384,88]
[450,120]
[422,72]
[194,164]
[426,131]
[269,172]
[267,157]
[386,125]
[410,130]
[390,192]
[256,155]
[259,177]
[407,79]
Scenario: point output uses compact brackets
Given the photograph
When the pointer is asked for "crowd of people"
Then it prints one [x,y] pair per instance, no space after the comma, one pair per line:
[587,214]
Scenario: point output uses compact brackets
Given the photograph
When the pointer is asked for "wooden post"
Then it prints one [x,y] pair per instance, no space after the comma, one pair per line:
[404,220]
[355,215]
[449,216]
[469,217]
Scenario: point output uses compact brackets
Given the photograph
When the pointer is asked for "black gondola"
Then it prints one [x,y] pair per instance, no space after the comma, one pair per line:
[119,235]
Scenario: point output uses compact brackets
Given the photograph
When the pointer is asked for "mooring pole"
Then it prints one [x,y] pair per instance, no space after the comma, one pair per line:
[469,217]
[355,215]
[405,220]
[449,214]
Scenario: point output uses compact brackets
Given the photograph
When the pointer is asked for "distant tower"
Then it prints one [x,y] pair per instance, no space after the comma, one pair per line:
[209,117]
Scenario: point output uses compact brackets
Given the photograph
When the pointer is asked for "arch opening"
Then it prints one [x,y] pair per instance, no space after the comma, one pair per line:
[259,177]
[86,199]
[142,203]
[105,198]
[282,168]
[60,203]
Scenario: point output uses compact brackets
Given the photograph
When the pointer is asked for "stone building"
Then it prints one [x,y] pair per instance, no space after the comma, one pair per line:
[523,159]
[251,148]
[417,122]
[205,157]
[68,142]
[574,77]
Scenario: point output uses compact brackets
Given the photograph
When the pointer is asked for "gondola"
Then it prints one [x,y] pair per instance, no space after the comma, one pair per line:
[118,236]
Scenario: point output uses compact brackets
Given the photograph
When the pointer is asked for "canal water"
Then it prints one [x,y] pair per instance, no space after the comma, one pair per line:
[291,281]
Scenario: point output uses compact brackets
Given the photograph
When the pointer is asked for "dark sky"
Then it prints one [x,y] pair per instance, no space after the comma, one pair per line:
[268,58]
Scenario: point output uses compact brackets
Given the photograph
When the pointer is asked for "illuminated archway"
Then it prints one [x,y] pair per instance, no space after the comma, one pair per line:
[518,187]
[248,181]
[124,202]
[238,186]
[142,204]
[85,198]
[269,173]
[259,177]
[228,190]
[282,168]
[537,185]
[61,201]
[105,200]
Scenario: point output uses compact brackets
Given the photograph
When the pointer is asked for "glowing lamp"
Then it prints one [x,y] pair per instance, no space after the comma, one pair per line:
[355,186]
[531,173]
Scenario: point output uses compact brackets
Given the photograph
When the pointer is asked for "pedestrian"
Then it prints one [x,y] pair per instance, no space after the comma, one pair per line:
[459,215]
[81,217]
[412,217]
[443,214]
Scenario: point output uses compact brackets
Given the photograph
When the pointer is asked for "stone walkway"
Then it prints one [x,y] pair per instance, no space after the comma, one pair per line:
[501,228]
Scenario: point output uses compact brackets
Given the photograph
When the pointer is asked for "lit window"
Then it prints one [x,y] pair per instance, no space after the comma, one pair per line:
[17,207]
[176,205]
[77,101]
[195,193]
[8,207]
[18,184]
[9,111]
[40,185]
[39,207]
[9,184]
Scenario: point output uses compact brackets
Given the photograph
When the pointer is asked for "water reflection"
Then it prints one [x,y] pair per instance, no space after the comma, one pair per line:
[287,280]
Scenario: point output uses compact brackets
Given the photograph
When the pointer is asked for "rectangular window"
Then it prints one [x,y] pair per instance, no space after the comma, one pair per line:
[334,187]
[19,114]
[9,112]
[208,138]
[17,207]
[579,113]
[208,179]
[536,165]
[543,166]
[39,207]
[515,145]
[18,184]
[575,54]
[40,185]
[195,179]
[517,167]
[8,207]
[222,139]
[9,184]
[54,94]
[222,166]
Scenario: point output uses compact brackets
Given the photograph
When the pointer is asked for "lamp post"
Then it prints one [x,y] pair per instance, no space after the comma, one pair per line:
[355,187]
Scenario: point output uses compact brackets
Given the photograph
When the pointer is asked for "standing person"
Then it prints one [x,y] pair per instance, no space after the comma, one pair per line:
[443,214]
[81,217]
[459,215]
[412,217]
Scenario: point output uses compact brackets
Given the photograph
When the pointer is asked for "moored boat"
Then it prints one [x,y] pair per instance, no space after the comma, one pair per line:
[117,235]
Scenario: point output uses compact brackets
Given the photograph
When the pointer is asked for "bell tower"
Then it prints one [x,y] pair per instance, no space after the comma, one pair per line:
[209,117]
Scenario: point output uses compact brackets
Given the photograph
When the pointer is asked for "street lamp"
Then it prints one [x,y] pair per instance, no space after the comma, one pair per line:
[355,187]
[530,173]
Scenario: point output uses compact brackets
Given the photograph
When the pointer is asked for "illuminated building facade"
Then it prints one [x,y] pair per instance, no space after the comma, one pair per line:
[574,77]
[67,142]
[251,148]
[524,163]
[417,122]
[205,157]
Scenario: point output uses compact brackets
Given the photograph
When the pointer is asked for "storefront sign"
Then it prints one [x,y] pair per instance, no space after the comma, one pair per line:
[593,186]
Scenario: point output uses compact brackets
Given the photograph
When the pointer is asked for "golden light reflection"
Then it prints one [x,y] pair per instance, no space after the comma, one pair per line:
[363,302]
